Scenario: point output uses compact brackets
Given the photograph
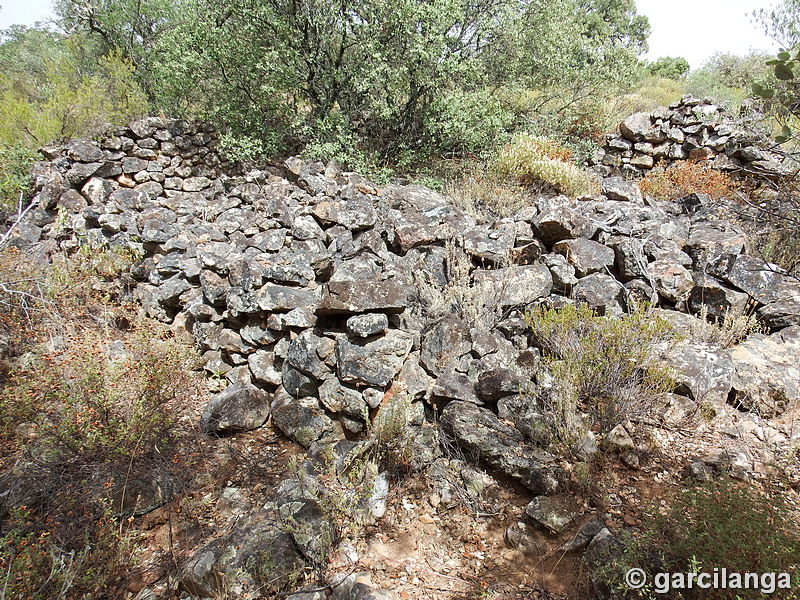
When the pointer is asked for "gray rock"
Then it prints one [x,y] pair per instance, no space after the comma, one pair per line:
[639,128]
[454,386]
[585,255]
[672,281]
[368,324]
[709,240]
[716,298]
[548,514]
[355,215]
[501,447]
[617,188]
[307,352]
[782,313]
[702,371]
[443,344]
[262,367]
[341,399]
[375,362]
[238,408]
[584,536]
[498,383]
[302,420]
[413,379]
[629,257]
[364,296]
[515,286]
[299,318]
[601,293]
[563,273]
[561,223]
[766,377]
[489,245]
[231,564]
[750,274]
[298,384]
[280,298]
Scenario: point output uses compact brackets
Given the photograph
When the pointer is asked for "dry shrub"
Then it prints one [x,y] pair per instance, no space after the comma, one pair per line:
[484,196]
[686,177]
[43,296]
[530,158]
[728,331]
[477,303]
[604,370]
[88,413]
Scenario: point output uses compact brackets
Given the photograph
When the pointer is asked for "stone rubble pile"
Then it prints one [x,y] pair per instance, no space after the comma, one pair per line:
[319,298]
[688,129]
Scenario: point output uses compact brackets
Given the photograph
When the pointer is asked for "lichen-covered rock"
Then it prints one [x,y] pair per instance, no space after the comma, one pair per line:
[258,557]
[585,255]
[372,362]
[515,286]
[238,408]
[602,293]
[364,296]
[501,447]
[702,371]
[766,372]
[301,419]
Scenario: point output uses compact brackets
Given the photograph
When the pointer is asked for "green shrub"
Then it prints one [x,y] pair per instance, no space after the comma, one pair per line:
[600,367]
[725,524]
[530,158]
[15,175]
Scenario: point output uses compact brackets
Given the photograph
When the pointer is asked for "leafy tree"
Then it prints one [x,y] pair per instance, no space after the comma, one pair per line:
[131,28]
[669,67]
[54,87]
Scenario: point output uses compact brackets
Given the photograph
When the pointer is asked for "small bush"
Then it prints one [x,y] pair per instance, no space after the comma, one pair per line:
[686,177]
[15,175]
[97,400]
[600,367]
[725,332]
[726,524]
[390,434]
[530,159]
[477,303]
[43,563]
[485,195]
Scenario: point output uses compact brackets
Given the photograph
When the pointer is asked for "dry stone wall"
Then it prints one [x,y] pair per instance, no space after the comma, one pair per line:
[317,297]
[689,129]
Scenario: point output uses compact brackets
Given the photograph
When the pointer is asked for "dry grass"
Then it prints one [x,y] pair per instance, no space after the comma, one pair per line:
[687,177]
[531,159]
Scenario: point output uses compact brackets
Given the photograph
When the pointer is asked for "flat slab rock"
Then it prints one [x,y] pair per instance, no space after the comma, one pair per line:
[766,372]
[364,296]
[501,447]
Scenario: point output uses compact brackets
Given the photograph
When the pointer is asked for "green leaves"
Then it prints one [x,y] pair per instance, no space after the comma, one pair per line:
[784,71]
